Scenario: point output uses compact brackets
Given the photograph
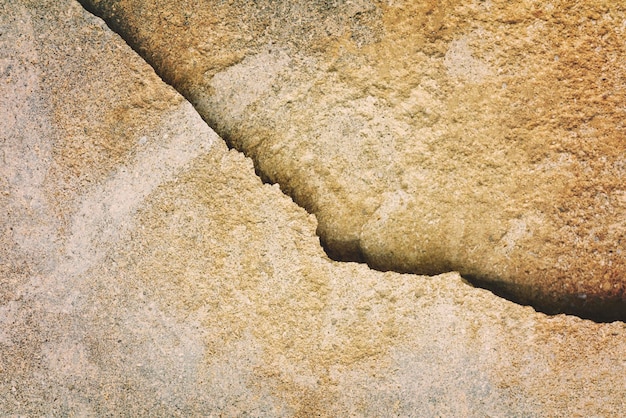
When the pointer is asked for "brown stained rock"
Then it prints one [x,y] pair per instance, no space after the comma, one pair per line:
[485,137]
[146,271]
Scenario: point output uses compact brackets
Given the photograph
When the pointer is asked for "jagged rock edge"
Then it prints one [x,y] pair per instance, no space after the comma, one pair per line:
[498,289]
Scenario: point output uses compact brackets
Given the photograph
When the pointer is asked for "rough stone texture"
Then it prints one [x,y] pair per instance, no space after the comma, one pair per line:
[485,137]
[146,271]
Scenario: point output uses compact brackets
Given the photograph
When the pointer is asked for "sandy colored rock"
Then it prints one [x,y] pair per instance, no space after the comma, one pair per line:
[145,270]
[485,137]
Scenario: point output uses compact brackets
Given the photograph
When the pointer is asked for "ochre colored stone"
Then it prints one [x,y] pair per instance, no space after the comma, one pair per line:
[485,137]
[145,270]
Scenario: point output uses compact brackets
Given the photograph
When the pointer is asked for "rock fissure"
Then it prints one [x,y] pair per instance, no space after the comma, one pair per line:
[146,270]
[418,152]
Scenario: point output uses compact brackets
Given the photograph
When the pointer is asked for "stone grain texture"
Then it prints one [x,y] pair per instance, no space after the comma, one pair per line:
[485,137]
[145,270]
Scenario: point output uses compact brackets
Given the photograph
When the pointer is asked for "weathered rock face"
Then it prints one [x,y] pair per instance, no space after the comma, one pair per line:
[146,270]
[485,137]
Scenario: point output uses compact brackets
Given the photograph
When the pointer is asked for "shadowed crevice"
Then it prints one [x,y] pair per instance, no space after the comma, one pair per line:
[579,304]
[592,307]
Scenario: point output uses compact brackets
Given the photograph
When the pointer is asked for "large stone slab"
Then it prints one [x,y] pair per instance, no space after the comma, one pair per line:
[146,271]
[485,137]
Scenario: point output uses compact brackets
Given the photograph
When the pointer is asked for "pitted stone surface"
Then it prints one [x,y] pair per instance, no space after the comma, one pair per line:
[145,270]
[482,137]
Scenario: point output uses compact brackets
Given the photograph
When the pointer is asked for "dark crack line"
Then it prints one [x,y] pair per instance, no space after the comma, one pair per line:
[616,312]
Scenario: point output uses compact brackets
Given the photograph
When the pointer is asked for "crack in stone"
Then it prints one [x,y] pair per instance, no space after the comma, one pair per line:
[353,252]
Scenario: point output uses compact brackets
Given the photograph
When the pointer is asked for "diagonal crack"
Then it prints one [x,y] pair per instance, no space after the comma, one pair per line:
[350,249]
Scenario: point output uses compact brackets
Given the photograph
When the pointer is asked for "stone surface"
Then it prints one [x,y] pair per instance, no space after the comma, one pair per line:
[485,137]
[146,271]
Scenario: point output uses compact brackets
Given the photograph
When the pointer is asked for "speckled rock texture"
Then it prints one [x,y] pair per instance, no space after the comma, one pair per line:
[145,270]
[485,137]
